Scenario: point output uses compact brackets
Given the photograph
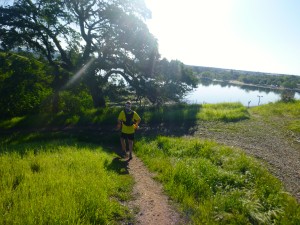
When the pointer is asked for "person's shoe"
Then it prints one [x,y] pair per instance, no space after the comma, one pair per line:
[130,156]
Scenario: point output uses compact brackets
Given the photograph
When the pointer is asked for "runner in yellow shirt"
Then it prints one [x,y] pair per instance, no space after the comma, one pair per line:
[128,122]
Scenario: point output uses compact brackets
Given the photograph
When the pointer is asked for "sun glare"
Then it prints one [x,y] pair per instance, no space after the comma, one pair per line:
[191,29]
[79,74]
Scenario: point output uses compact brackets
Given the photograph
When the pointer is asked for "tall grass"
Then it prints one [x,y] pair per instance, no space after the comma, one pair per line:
[215,184]
[61,183]
[227,112]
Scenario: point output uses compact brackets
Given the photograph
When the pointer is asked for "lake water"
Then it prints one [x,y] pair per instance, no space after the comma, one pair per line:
[217,93]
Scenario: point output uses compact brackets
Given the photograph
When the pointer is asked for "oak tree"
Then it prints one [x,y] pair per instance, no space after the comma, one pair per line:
[95,42]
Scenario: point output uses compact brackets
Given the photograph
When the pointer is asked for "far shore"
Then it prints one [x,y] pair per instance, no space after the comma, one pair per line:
[236,82]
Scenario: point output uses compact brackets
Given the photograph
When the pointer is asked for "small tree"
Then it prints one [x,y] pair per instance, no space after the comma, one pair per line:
[287,96]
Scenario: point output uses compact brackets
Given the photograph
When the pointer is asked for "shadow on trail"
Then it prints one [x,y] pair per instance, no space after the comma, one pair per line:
[118,165]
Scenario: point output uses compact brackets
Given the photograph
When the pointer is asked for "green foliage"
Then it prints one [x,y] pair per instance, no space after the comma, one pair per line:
[88,50]
[215,184]
[173,80]
[24,85]
[61,182]
[227,112]
[288,96]
[74,102]
[289,84]
[98,56]
[103,116]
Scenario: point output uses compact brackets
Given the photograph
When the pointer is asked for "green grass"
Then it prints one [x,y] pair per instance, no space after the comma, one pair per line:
[61,182]
[215,184]
[226,112]
[286,113]
[286,109]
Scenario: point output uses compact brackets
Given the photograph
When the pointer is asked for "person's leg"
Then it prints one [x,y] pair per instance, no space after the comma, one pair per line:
[123,145]
[130,146]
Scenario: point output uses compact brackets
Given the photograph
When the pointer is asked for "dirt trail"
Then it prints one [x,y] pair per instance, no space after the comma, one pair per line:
[154,206]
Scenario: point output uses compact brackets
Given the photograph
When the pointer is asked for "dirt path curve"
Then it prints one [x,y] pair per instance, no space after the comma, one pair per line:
[154,207]
[279,149]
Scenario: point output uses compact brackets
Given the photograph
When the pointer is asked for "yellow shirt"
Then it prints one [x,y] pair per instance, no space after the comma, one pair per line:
[122,118]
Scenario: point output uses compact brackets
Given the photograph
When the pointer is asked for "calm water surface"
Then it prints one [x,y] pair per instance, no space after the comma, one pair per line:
[217,93]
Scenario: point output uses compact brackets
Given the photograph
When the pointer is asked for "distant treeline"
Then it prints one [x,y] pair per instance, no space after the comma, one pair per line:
[248,77]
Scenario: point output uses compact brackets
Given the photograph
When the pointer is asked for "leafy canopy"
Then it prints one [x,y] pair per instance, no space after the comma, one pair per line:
[108,38]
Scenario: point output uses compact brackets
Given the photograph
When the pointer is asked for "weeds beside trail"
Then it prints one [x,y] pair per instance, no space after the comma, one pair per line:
[215,184]
[61,182]
[270,134]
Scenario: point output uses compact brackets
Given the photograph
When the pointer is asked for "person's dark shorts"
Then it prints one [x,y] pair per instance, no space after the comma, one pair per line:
[127,136]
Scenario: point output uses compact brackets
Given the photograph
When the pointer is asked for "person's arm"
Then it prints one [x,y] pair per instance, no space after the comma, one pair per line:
[137,121]
[119,125]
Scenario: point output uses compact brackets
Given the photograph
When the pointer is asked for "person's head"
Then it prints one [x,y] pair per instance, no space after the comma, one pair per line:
[128,105]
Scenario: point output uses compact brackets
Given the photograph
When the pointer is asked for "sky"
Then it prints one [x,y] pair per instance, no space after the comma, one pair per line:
[252,35]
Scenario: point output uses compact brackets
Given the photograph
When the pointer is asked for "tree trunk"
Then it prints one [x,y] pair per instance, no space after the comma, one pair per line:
[96,93]
[55,85]
[98,98]
[55,103]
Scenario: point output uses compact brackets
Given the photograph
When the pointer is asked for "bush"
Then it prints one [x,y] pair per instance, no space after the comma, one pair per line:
[24,85]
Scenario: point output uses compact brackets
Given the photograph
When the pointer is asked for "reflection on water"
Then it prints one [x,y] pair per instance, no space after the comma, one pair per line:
[211,92]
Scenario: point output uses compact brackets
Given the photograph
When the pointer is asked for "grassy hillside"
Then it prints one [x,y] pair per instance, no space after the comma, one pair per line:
[73,177]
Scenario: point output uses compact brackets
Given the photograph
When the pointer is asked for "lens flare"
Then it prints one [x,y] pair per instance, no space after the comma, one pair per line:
[79,74]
